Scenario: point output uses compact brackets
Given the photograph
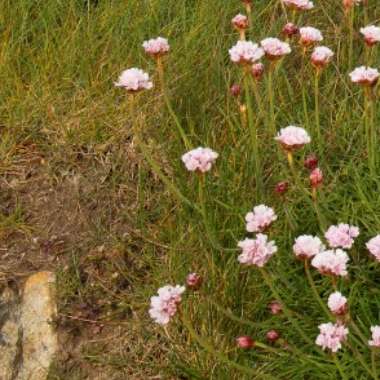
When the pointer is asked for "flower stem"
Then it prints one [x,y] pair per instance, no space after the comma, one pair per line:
[316,98]
[272,121]
[339,366]
[373,361]
[351,35]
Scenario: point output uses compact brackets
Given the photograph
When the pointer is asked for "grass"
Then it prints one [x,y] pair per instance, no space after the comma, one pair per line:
[79,196]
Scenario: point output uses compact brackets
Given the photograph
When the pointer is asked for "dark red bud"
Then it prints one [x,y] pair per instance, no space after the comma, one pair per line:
[245,342]
[273,335]
[311,162]
[290,29]
[281,187]
[194,281]
[235,90]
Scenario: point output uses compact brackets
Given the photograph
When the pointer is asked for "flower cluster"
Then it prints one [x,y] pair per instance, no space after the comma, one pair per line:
[292,137]
[331,262]
[331,336]
[256,251]
[200,159]
[260,219]
[373,247]
[156,46]
[134,80]
[275,48]
[366,76]
[337,303]
[299,4]
[371,34]
[342,235]
[245,52]
[307,246]
[321,56]
[310,36]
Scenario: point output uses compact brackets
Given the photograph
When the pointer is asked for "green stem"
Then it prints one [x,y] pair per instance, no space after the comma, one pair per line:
[339,366]
[351,35]
[373,361]
[272,122]
[316,98]
[358,332]
[303,84]
[360,359]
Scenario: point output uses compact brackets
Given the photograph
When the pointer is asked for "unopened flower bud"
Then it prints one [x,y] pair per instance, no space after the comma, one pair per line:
[316,178]
[240,22]
[290,29]
[275,307]
[281,187]
[245,342]
[257,70]
[193,281]
[235,90]
[272,336]
[311,162]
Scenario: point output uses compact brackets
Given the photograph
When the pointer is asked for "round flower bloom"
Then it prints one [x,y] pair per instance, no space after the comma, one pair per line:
[310,35]
[332,262]
[341,235]
[245,342]
[256,251]
[292,137]
[134,80]
[373,247]
[245,52]
[200,159]
[156,46]
[260,219]
[366,76]
[164,306]
[299,4]
[281,187]
[290,29]
[307,246]
[316,177]
[240,22]
[235,90]
[275,48]
[193,280]
[371,34]
[311,162]
[275,307]
[337,303]
[257,70]
[331,336]
[375,342]
[272,335]
[321,56]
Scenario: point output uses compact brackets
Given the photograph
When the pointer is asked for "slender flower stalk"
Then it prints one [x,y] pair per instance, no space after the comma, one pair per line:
[316,108]
[272,121]
[351,15]
[340,368]
[373,362]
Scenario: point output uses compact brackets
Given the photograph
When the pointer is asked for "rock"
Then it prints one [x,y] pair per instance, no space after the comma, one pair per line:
[10,334]
[39,338]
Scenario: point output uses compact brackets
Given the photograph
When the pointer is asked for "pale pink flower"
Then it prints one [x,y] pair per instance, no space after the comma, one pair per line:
[299,4]
[164,306]
[134,80]
[337,303]
[293,137]
[260,219]
[366,76]
[331,336]
[156,46]
[342,235]
[310,35]
[371,34]
[245,52]
[375,342]
[275,48]
[200,159]
[316,177]
[332,262]
[290,29]
[321,56]
[373,247]
[257,70]
[256,251]
[240,22]
[307,246]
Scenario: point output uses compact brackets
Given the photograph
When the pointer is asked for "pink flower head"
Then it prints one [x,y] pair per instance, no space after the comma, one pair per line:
[290,29]
[299,4]
[331,336]
[156,47]
[332,262]
[257,70]
[366,76]
[371,34]
[316,177]
[134,80]
[310,35]
[194,280]
[373,247]
[240,22]
[321,56]
[275,48]
[281,187]
[245,342]
[200,159]
[375,342]
[311,162]
[272,336]
[260,219]
[337,303]
[292,137]
[256,251]
[245,52]
[342,235]
[275,307]
[164,306]
[307,246]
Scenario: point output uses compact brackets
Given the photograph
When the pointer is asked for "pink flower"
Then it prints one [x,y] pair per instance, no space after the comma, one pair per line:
[290,29]
[371,34]
[311,162]
[321,56]
[156,46]
[256,251]
[316,177]
[240,22]
[245,52]
[331,336]
[134,80]
[341,235]
[200,159]
[281,187]
[293,137]
[337,303]
[257,70]
[260,219]
[272,336]
[299,4]
[310,35]
[373,247]
[164,306]
[332,262]
[307,246]
[366,76]
[375,342]
[245,342]
[275,307]
[194,281]
[275,48]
